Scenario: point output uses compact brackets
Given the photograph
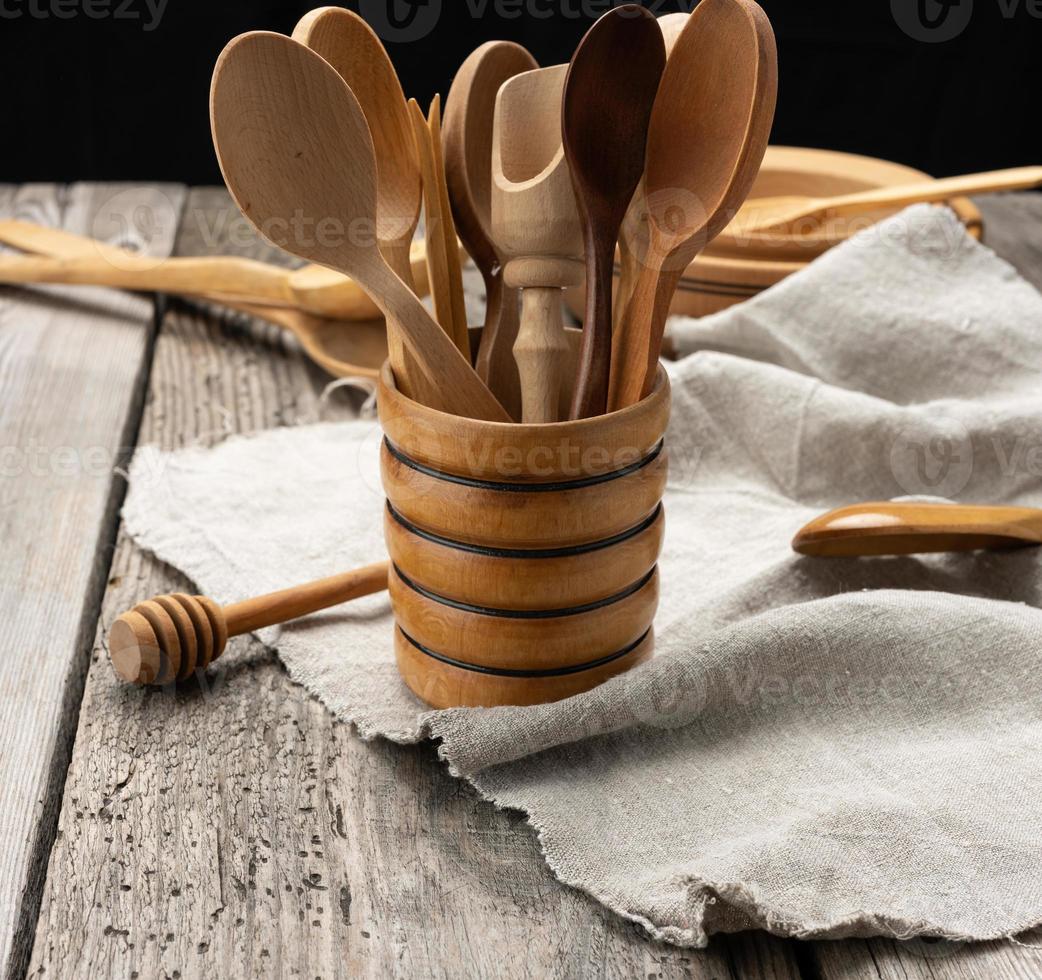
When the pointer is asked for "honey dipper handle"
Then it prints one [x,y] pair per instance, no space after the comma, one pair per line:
[300,600]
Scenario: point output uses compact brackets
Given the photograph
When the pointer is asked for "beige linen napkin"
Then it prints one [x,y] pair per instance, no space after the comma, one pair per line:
[819,748]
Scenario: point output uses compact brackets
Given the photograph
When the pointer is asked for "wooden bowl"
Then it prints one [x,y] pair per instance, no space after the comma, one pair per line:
[735,268]
[523,556]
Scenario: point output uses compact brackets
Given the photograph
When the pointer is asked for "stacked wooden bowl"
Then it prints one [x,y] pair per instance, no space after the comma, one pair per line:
[737,267]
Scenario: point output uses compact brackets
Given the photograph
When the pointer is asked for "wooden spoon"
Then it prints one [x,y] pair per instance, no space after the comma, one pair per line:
[292,141]
[167,638]
[351,46]
[604,120]
[634,224]
[344,348]
[707,137]
[911,528]
[536,226]
[467,141]
[780,214]
[313,289]
[442,254]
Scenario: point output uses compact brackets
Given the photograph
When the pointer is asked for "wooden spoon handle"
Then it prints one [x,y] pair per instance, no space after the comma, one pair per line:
[590,396]
[540,350]
[243,278]
[638,341]
[301,600]
[495,362]
[901,195]
[442,254]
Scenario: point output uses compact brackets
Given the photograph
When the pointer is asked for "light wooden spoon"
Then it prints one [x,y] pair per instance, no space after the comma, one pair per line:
[344,348]
[467,141]
[292,140]
[313,289]
[439,230]
[708,134]
[633,224]
[351,46]
[604,120]
[909,528]
[781,214]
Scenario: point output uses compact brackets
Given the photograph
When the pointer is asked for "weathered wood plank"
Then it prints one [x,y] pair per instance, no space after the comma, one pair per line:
[71,376]
[239,831]
[888,959]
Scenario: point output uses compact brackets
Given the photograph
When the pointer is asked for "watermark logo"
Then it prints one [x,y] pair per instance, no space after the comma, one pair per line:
[401,21]
[938,464]
[147,13]
[932,21]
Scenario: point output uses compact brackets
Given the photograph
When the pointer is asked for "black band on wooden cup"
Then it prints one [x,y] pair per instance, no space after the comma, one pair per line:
[477,549]
[526,613]
[578,484]
[506,672]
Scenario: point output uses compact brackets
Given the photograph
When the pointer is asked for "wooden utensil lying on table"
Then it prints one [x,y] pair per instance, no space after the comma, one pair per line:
[169,637]
[351,47]
[604,119]
[79,260]
[291,139]
[707,136]
[780,214]
[442,254]
[909,528]
[344,348]
[467,141]
[536,226]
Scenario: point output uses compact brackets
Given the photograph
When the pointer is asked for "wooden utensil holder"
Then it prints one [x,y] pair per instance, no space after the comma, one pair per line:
[523,557]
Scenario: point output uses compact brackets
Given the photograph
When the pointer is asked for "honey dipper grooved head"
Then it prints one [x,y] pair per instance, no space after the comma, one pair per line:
[167,638]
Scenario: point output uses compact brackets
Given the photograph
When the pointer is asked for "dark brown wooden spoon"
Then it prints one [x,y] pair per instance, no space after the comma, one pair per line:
[608,97]
[467,142]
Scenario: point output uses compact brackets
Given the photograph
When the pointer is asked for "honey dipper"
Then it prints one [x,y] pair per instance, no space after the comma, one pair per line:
[167,638]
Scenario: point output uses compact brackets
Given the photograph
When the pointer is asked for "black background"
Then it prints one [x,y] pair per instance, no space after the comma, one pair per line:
[103,98]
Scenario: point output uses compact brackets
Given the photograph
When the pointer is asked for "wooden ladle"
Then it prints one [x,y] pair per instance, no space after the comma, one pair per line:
[791,215]
[910,528]
[292,140]
[707,137]
[604,120]
[467,141]
[167,638]
[536,226]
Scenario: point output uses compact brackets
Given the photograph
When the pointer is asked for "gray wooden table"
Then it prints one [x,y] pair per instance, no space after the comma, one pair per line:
[234,828]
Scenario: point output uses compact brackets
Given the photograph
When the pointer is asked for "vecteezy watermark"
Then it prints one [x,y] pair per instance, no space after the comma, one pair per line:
[148,12]
[937,463]
[937,21]
[401,21]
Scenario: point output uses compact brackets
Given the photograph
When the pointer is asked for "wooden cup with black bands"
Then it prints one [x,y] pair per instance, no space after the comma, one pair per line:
[523,557]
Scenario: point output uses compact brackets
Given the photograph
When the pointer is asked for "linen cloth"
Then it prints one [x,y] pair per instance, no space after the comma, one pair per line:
[819,747]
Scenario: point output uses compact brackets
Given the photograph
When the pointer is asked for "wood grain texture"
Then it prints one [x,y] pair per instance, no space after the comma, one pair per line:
[467,138]
[535,225]
[707,137]
[73,365]
[604,124]
[291,138]
[236,830]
